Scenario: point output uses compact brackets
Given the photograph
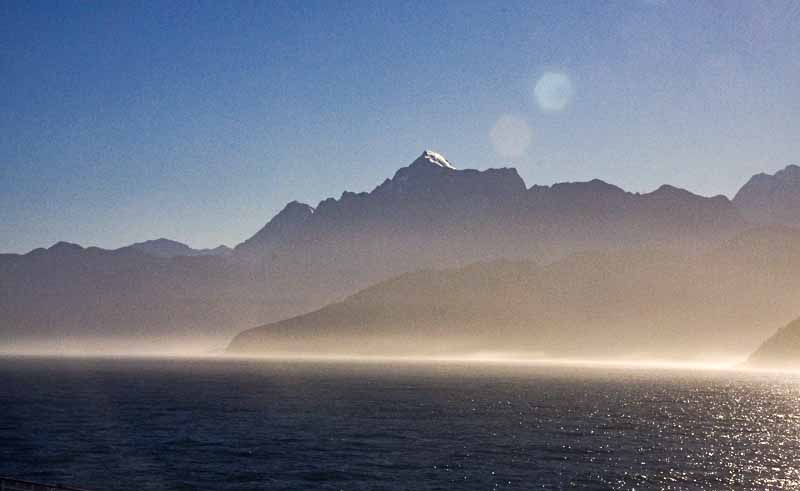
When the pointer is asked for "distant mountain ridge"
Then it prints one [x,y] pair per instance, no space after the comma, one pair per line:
[160,248]
[169,248]
[70,297]
[428,215]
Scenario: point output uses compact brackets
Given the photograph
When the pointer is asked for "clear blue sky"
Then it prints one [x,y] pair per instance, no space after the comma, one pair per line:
[124,121]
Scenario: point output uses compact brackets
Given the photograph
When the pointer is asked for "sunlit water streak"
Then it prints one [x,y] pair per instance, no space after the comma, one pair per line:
[338,424]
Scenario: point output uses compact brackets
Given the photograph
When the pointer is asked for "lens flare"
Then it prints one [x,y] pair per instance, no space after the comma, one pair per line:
[511,136]
[553,91]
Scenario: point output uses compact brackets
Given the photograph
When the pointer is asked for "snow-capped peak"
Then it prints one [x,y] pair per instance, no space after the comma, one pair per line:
[435,159]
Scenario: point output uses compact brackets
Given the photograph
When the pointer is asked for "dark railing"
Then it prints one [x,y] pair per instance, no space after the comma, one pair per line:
[8,484]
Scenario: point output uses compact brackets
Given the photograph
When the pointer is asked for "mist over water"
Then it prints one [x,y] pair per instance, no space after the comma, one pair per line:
[204,350]
[158,424]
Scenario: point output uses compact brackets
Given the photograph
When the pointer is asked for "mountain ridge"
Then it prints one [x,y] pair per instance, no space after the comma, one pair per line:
[425,194]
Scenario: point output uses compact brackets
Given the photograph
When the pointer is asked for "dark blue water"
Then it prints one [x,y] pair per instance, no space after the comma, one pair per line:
[240,425]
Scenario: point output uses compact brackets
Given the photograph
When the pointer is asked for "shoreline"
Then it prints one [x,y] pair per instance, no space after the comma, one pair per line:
[478,359]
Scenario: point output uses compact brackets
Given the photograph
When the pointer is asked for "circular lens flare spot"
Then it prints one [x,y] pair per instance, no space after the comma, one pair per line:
[511,136]
[553,91]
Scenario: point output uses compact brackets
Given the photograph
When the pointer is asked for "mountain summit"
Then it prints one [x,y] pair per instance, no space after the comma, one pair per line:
[431,157]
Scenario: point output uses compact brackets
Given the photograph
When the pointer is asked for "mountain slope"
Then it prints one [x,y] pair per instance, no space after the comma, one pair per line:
[782,350]
[644,303]
[282,228]
[772,199]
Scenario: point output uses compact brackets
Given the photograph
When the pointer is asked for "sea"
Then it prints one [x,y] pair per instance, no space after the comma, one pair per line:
[231,424]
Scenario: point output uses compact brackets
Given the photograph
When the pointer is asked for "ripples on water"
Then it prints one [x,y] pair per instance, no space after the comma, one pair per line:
[225,425]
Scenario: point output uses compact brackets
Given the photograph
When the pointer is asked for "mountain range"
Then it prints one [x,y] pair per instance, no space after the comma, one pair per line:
[429,216]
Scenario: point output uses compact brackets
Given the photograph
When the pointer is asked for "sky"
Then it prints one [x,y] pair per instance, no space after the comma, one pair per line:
[198,121]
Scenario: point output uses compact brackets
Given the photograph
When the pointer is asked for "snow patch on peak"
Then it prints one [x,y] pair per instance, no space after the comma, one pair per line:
[435,159]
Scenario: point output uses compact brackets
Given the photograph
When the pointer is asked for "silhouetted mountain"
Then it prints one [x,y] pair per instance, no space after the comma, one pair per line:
[594,304]
[429,215]
[771,199]
[781,350]
[169,248]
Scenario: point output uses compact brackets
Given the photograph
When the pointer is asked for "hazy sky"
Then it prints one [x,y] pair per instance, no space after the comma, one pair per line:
[124,121]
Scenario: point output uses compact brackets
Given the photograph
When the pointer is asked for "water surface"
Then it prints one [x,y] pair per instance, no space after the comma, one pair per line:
[182,424]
